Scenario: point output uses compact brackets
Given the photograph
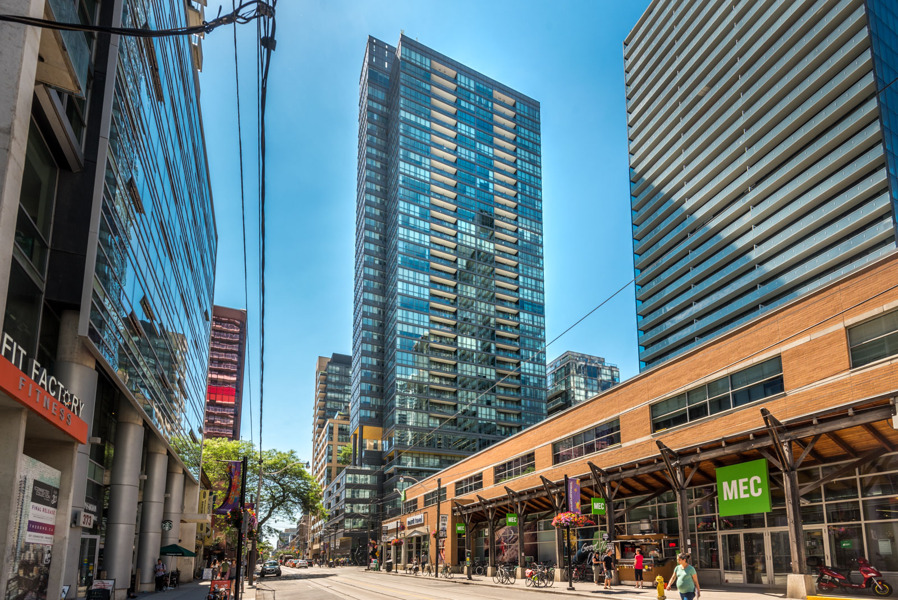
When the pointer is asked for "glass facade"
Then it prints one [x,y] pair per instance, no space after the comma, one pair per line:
[449,303]
[573,378]
[760,159]
[152,285]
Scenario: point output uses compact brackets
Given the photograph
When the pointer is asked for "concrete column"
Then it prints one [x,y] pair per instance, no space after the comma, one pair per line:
[151,516]
[174,504]
[18,67]
[77,368]
[62,457]
[12,440]
[123,491]
[188,530]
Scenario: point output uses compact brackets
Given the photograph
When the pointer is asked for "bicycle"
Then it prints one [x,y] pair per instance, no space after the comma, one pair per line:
[505,574]
[446,571]
[427,570]
[479,567]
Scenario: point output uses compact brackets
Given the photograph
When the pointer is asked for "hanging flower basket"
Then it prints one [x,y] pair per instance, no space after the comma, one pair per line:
[235,518]
[396,542]
[571,519]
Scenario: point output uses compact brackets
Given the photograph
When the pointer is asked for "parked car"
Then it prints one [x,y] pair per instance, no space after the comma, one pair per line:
[301,563]
[270,568]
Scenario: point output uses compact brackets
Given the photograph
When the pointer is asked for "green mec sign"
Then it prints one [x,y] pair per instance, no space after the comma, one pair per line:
[743,489]
[511,519]
[598,506]
[459,528]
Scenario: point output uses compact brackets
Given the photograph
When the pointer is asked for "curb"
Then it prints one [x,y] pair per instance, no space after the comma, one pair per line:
[543,590]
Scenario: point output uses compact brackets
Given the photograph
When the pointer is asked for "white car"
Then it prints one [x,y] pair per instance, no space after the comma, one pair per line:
[301,563]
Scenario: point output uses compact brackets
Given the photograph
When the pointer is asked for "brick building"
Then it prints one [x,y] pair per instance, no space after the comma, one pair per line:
[819,375]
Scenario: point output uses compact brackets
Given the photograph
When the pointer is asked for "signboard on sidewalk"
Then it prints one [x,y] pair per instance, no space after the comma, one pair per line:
[743,489]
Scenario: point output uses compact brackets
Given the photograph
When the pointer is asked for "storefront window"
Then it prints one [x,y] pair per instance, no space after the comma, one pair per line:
[806,476]
[752,521]
[843,512]
[846,545]
[812,514]
[879,485]
[841,489]
[882,547]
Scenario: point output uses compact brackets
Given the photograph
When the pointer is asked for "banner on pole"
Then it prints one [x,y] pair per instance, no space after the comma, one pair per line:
[573,494]
[231,498]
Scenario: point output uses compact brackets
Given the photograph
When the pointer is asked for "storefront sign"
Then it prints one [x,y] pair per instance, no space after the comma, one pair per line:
[444,525]
[41,392]
[31,538]
[598,506]
[845,544]
[511,519]
[415,520]
[459,528]
[573,495]
[743,489]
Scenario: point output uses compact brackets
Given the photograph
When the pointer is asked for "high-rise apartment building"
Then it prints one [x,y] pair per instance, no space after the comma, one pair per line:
[107,271]
[331,419]
[224,390]
[762,151]
[573,378]
[448,318]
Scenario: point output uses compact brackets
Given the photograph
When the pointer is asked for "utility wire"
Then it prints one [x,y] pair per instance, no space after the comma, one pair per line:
[239,16]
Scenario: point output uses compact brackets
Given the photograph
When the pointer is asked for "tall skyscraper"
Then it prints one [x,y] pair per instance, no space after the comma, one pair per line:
[224,390]
[573,378]
[762,139]
[448,318]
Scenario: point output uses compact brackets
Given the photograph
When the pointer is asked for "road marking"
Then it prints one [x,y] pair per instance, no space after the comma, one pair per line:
[368,587]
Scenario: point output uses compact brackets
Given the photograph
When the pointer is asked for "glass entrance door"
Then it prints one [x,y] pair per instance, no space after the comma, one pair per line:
[731,545]
[754,549]
[87,563]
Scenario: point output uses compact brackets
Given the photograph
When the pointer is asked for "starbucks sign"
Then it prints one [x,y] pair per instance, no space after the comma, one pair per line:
[743,489]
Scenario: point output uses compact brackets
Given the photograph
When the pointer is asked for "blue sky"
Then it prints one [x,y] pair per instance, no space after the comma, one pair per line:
[566,55]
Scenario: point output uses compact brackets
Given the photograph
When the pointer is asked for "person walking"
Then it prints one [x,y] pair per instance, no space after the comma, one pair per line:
[597,567]
[608,561]
[159,572]
[685,578]
[638,563]
[223,568]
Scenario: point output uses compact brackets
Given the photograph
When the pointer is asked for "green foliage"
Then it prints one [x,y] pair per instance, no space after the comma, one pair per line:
[344,457]
[287,488]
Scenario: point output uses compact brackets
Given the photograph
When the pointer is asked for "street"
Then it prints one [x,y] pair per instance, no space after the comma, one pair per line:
[354,583]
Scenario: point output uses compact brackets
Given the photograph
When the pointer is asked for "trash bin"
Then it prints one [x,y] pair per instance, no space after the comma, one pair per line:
[388,565]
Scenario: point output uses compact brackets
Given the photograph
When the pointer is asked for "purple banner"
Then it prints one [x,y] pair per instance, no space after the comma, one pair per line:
[232,494]
[573,494]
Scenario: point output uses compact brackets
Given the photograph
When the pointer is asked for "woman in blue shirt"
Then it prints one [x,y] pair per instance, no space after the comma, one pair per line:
[685,578]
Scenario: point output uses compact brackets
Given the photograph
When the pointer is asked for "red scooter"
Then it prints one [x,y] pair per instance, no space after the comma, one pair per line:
[831,579]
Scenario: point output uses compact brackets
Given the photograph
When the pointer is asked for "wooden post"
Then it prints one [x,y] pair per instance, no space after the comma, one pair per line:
[490,511]
[679,482]
[519,509]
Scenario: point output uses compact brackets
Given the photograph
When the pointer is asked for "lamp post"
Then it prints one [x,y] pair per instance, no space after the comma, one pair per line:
[567,533]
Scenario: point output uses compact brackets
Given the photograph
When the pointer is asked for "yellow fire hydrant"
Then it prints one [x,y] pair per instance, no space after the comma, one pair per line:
[660,581]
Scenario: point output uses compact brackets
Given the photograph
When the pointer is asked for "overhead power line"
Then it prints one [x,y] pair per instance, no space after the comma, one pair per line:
[245,13]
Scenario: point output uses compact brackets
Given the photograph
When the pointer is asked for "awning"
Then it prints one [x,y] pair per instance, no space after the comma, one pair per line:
[175,550]
[417,533]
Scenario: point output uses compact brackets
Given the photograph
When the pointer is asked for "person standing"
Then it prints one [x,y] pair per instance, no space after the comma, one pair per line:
[159,572]
[685,578]
[609,567]
[638,561]
[597,567]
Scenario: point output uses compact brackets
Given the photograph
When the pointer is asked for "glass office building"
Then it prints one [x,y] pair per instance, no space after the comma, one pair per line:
[106,280]
[573,378]
[449,303]
[762,158]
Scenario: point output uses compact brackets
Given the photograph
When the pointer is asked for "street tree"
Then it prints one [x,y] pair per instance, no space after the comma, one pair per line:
[288,489]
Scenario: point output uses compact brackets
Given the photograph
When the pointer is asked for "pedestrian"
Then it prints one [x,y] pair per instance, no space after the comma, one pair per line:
[223,568]
[685,578]
[597,568]
[637,568]
[609,567]
[159,572]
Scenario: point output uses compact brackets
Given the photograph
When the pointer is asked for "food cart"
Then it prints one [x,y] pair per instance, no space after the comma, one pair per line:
[659,553]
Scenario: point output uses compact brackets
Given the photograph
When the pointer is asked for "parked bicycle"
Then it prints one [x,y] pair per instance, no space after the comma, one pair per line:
[581,573]
[446,571]
[479,567]
[505,574]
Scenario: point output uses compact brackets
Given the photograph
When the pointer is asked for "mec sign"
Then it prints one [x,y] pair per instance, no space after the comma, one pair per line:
[743,489]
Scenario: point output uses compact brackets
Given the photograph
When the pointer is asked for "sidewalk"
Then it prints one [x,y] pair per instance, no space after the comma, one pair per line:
[619,592]
[194,590]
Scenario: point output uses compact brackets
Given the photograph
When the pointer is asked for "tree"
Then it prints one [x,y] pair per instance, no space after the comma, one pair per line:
[287,488]
[344,456]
